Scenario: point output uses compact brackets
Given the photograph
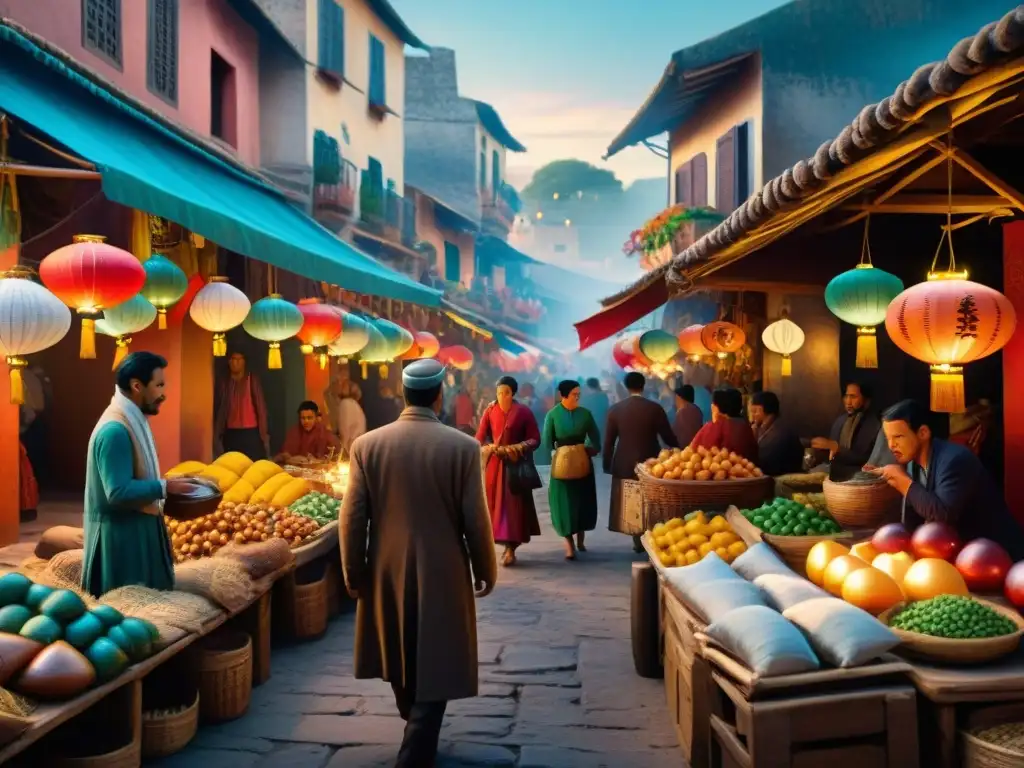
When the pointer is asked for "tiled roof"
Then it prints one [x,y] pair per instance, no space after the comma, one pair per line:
[875,126]
[393,21]
[491,120]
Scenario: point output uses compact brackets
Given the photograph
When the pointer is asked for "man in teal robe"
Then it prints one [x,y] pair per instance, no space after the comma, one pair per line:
[126,542]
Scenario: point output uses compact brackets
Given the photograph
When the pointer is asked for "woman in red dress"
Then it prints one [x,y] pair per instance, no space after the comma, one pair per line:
[727,428]
[508,433]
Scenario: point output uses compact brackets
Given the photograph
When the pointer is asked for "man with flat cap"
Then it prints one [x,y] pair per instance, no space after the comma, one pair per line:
[416,542]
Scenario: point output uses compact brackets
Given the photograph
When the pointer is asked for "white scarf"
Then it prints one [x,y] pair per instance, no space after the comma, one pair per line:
[145,459]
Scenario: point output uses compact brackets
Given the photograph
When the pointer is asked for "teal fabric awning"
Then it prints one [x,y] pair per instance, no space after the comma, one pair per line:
[146,165]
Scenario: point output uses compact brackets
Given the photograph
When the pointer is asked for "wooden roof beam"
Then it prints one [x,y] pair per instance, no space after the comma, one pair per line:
[939,204]
[1005,190]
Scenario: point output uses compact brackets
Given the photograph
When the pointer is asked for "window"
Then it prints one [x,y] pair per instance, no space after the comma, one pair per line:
[101,29]
[162,50]
[331,38]
[223,100]
[495,174]
[376,173]
[452,262]
[692,182]
[378,89]
[735,167]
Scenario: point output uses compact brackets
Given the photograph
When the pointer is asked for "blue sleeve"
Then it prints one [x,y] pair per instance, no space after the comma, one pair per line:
[955,482]
[115,463]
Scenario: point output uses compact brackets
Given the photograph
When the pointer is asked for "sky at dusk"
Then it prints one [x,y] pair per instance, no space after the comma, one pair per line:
[567,75]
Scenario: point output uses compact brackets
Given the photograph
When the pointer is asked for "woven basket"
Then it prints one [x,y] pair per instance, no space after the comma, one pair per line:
[979,753]
[165,736]
[225,675]
[955,651]
[128,756]
[862,505]
[665,499]
[310,612]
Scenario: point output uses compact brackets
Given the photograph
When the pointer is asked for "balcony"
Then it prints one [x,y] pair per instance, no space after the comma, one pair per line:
[334,203]
[499,208]
[387,227]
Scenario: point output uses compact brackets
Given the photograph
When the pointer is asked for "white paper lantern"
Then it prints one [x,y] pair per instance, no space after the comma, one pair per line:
[783,337]
[31,319]
[219,307]
[133,316]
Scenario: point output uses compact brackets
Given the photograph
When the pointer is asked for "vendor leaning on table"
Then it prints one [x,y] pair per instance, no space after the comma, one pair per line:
[310,437]
[853,434]
[942,481]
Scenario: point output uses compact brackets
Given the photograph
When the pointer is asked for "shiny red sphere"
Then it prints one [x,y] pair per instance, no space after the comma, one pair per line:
[984,565]
[939,540]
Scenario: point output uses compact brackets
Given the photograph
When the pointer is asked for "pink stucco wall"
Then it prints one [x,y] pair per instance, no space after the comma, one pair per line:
[203,26]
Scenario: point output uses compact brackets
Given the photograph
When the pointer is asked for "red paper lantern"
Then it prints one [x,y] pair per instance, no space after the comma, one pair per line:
[691,344]
[321,324]
[622,353]
[90,275]
[723,338]
[428,344]
[947,322]
[457,357]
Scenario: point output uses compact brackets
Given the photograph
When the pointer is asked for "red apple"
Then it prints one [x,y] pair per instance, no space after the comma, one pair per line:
[891,538]
[1013,587]
[939,540]
[984,565]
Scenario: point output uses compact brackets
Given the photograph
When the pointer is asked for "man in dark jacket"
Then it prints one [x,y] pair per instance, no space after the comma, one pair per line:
[853,434]
[631,437]
[779,450]
[944,482]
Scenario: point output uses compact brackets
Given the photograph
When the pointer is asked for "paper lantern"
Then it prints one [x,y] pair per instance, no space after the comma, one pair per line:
[398,339]
[428,344]
[354,335]
[658,345]
[272,319]
[321,324]
[690,342]
[860,297]
[377,349]
[165,284]
[640,360]
[457,357]
[622,353]
[219,307]
[783,337]
[946,322]
[723,338]
[31,319]
[122,321]
[90,275]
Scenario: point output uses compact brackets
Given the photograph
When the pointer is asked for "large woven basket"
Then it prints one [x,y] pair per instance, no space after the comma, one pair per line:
[163,736]
[311,610]
[979,752]
[225,675]
[862,505]
[128,756]
[665,499]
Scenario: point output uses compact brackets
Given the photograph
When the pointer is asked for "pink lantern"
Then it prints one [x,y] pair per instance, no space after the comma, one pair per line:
[691,343]
[622,353]
[457,357]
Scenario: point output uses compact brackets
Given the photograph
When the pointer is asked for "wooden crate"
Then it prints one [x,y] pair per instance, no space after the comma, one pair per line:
[687,678]
[870,728]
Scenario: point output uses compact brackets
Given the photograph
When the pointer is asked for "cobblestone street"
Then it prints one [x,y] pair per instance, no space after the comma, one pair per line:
[557,682]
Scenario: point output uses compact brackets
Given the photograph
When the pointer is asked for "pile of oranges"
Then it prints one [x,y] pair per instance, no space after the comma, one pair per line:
[700,464]
[679,543]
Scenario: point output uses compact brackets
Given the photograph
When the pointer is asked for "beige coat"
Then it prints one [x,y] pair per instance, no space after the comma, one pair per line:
[413,520]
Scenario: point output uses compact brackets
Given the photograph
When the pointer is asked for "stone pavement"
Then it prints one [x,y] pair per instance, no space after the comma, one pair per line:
[558,688]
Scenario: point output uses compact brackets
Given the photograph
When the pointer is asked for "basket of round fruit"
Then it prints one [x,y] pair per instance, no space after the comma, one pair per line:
[957,629]
[692,479]
[685,541]
[791,526]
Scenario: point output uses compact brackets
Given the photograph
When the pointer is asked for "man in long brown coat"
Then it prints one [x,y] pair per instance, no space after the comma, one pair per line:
[631,437]
[413,524]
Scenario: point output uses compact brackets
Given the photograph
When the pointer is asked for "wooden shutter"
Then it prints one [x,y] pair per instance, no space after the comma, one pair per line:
[378,95]
[376,173]
[725,175]
[684,184]
[744,161]
[452,262]
[699,181]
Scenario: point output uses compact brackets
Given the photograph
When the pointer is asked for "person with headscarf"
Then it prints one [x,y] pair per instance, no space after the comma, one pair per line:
[728,428]
[509,436]
[573,502]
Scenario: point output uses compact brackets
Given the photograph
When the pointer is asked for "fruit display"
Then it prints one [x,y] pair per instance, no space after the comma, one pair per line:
[931,577]
[319,507]
[894,565]
[54,647]
[818,559]
[838,571]
[816,500]
[984,565]
[243,481]
[699,464]
[1013,587]
[238,523]
[954,617]
[871,590]
[679,542]
[935,540]
[788,517]
[891,538]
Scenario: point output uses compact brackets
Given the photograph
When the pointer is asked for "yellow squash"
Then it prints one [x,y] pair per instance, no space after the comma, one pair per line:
[291,493]
[240,493]
[224,478]
[237,462]
[265,493]
[186,468]
[260,472]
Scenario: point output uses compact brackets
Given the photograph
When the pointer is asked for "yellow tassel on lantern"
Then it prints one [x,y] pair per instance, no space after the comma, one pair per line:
[322,359]
[220,345]
[17,383]
[383,371]
[362,365]
[121,350]
[787,365]
[274,356]
[87,348]
[867,348]
[947,390]
[161,318]
[142,243]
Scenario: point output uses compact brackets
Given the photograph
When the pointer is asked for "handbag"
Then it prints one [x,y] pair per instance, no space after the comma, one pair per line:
[571,462]
[522,475]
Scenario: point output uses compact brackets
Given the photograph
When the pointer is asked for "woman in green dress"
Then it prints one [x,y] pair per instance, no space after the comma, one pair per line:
[573,502]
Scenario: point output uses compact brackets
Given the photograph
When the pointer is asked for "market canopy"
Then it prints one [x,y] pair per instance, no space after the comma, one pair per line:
[145,165]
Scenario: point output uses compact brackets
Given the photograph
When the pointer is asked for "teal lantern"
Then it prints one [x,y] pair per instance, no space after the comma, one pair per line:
[122,321]
[861,297]
[353,337]
[398,338]
[273,319]
[165,284]
[377,349]
[659,346]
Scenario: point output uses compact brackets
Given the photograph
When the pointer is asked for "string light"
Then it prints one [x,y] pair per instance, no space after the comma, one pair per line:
[568,222]
[554,196]
[540,215]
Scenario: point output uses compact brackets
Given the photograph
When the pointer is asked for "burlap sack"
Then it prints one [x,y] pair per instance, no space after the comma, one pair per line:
[59,538]
[221,580]
[259,559]
[178,609]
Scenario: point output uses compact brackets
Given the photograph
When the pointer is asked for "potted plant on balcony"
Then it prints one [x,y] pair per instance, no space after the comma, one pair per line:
[669,233]
[371,205]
